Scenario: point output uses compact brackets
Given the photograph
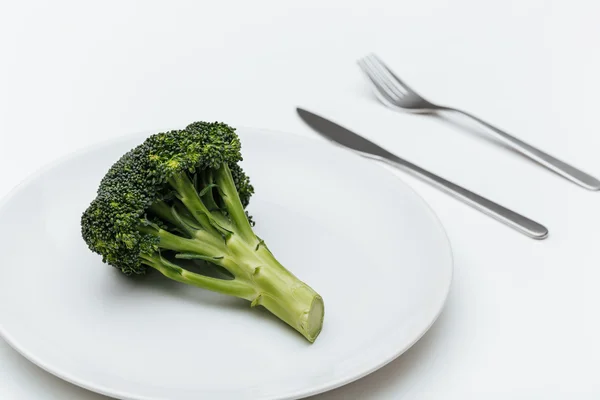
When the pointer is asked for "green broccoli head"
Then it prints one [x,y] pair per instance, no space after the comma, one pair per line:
[179,198]
[110,225]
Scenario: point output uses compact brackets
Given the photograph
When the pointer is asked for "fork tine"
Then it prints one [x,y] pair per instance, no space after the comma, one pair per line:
[382,80]
[384,93]
[389,81]
[391,73]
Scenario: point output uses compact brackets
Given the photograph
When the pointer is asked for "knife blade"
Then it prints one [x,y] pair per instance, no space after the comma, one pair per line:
[348,139]
[341,135]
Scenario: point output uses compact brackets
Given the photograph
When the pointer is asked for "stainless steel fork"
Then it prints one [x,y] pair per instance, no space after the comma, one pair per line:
[396,94]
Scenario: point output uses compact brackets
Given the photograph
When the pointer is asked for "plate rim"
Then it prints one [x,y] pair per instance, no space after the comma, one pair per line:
[325,387]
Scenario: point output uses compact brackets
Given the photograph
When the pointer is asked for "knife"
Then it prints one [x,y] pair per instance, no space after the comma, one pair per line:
[346,138]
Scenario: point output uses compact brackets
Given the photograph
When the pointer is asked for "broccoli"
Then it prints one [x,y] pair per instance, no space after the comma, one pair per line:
[179,198]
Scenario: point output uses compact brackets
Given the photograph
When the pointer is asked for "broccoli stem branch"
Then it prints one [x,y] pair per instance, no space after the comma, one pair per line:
[208,198]
[163,210]
[201,244]
[225,286]
[190,198]
[231,198]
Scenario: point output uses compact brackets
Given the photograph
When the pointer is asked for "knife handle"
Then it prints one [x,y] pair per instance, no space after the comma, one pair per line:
[494,210]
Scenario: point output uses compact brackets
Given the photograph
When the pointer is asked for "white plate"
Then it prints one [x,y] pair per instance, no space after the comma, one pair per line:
[354,232]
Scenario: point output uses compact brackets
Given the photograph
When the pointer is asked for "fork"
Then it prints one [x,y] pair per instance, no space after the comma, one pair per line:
[396,94]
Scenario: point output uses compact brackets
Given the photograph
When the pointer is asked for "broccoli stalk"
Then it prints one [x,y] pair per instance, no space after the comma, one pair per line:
[231,244]
[181,196]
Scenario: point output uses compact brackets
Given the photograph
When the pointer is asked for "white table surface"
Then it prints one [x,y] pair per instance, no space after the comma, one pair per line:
[522,318]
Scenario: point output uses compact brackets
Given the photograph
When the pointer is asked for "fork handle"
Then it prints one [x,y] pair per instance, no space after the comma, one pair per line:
[514,220]
[568,171]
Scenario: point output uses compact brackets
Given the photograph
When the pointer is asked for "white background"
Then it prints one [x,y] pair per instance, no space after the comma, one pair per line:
[522,318]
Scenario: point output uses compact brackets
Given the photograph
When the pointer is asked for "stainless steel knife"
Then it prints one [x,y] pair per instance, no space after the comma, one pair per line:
[366,148]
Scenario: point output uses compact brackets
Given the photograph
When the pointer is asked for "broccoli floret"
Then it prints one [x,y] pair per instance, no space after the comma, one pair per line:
[181,196]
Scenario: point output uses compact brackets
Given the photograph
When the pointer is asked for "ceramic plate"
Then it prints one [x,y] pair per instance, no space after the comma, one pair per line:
[348,227]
